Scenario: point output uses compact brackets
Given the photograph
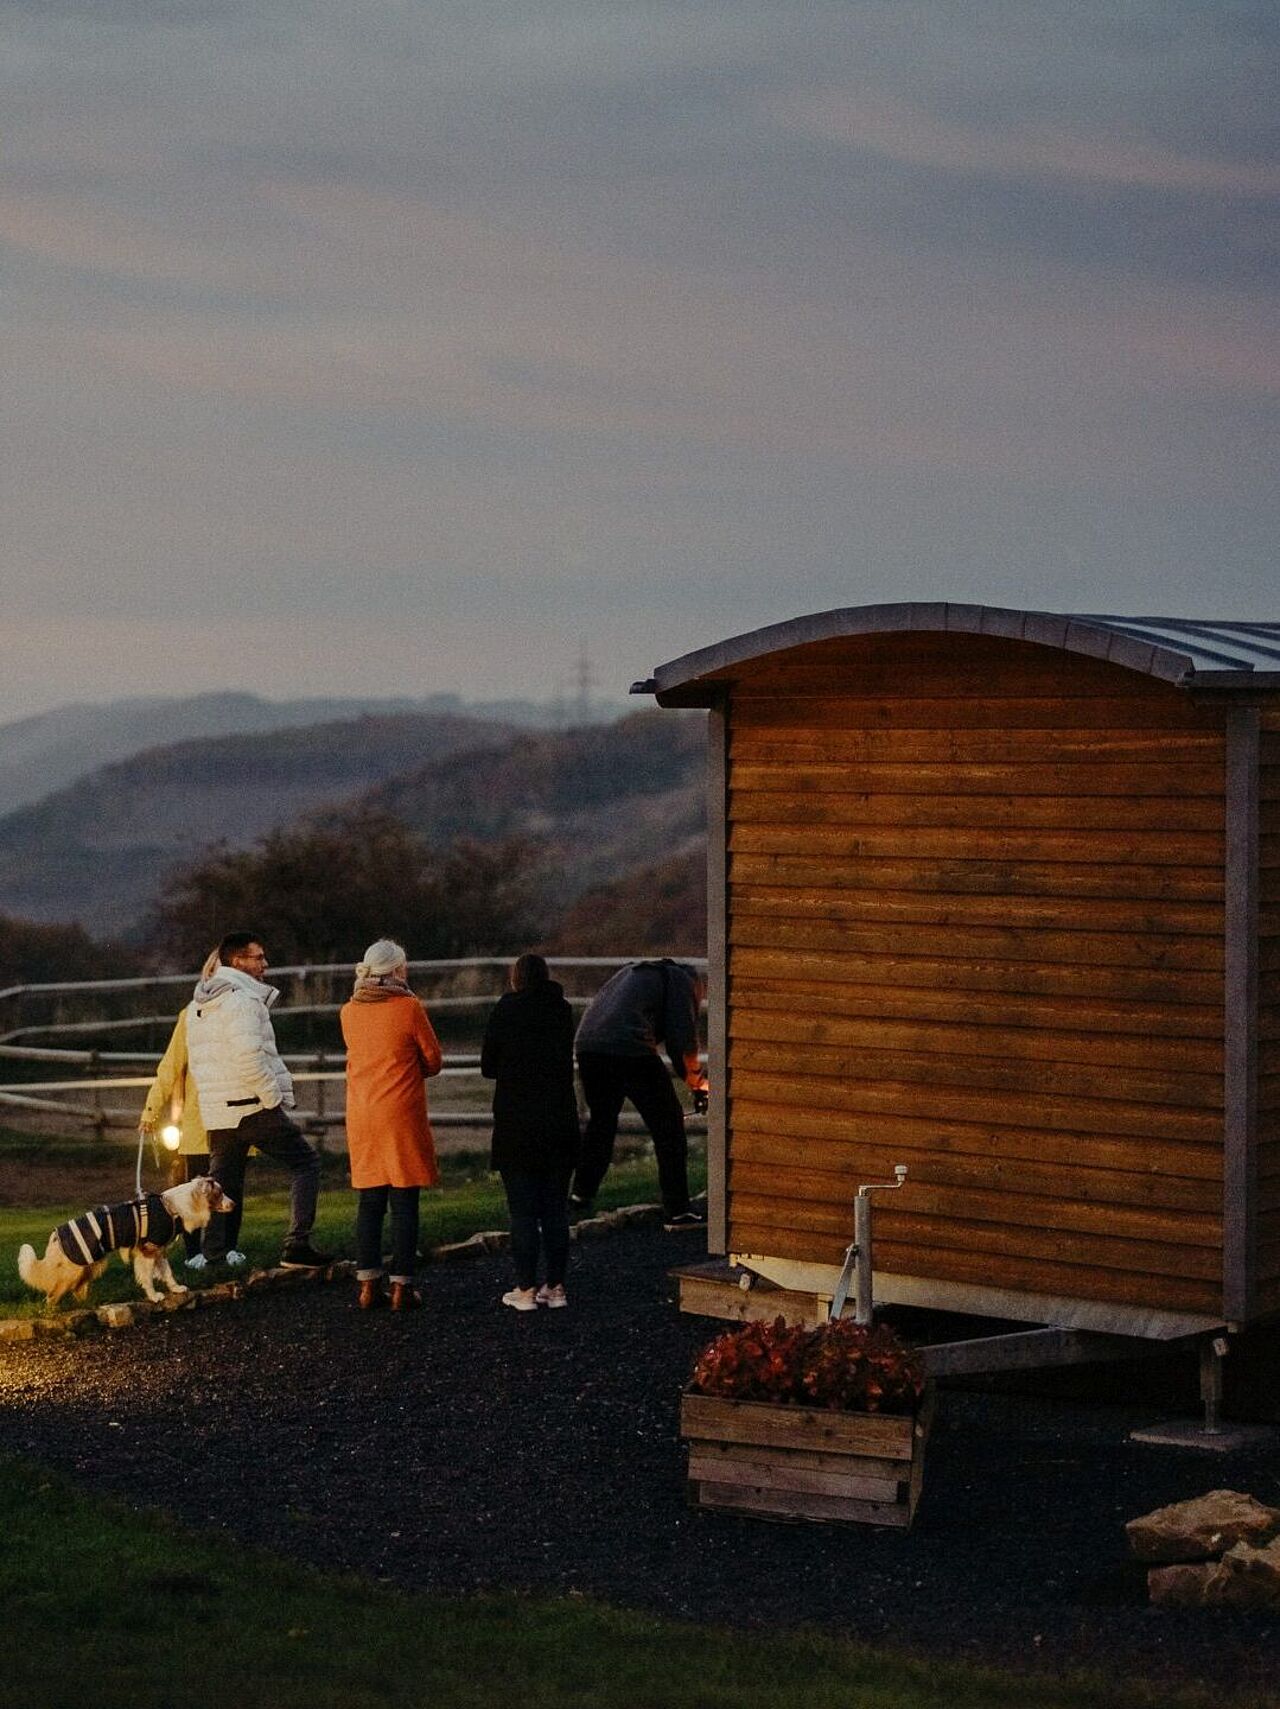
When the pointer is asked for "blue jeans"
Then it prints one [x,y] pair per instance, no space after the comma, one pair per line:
[371,1209]
[539,1207]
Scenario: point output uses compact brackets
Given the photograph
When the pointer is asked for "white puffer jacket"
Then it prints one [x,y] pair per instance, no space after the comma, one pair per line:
[231,1048]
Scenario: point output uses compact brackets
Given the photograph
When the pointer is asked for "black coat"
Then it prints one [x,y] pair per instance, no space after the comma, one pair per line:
[528,1052]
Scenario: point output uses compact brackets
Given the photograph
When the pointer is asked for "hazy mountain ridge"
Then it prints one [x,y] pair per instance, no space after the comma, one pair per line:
[605,799]
[97,851]
[50,750]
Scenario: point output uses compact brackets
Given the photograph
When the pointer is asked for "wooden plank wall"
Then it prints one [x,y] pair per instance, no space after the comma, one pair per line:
[975,922]
[1268,1260]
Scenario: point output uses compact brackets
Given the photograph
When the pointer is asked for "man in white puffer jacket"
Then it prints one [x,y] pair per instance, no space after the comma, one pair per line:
[244,1089]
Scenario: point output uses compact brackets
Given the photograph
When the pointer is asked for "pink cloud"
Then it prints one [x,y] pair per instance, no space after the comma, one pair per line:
[899,131]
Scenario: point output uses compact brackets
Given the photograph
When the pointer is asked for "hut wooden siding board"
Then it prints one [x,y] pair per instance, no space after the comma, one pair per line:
[1004,799]
[982,912]
[1268,1117]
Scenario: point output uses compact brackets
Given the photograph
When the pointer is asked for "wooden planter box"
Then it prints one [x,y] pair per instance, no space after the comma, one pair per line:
[804,1462]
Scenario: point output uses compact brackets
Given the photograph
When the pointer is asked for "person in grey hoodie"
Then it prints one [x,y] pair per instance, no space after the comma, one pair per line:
[647,1007]
[244,1089]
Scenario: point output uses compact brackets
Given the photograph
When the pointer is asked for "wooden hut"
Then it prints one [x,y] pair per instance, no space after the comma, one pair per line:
[996,894]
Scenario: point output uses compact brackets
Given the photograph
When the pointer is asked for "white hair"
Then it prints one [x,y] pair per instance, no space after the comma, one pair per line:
[380,959]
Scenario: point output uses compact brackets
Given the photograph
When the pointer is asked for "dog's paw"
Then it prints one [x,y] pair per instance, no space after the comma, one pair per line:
[179,1288]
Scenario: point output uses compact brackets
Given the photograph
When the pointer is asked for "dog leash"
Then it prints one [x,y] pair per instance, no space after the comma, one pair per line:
[137,1174]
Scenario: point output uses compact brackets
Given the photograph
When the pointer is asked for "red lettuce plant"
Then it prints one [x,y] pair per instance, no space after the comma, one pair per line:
[759,1361]
[842,1366]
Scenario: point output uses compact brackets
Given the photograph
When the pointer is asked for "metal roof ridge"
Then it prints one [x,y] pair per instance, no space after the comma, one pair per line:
[1091,634]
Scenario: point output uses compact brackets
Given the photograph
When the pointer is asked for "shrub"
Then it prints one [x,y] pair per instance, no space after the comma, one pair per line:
[843,1366]
[322,889]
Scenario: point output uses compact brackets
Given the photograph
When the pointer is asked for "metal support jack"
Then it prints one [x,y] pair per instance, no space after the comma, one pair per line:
[857,1258]
[1212,1436]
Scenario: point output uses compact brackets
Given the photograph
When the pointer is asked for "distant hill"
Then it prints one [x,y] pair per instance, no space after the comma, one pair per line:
[606,800]
[96,852]
[46,753]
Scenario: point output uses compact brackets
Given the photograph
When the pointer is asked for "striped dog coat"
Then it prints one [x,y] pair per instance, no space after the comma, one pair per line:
[90,1237]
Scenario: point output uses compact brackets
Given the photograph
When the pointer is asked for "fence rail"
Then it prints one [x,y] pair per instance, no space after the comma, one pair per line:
[320,1070]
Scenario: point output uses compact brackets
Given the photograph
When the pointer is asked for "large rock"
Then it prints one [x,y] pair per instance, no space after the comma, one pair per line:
[1197,1530]
[1245,1577]
[1179,1587]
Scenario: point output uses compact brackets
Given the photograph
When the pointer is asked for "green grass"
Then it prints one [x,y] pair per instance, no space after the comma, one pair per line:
[470,1199]
[123,1610]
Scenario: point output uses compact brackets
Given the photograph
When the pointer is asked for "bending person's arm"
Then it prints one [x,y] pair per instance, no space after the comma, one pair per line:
[682,1032]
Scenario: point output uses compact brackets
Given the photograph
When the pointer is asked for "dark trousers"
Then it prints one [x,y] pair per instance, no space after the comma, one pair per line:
[539,1207]
[185,1167]
[606,1082]
[284,1142]
[371,1210]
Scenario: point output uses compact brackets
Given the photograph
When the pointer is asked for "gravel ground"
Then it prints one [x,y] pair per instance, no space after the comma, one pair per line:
[468,1447]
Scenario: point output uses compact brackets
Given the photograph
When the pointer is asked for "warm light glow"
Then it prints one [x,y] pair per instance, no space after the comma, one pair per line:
[171,1136]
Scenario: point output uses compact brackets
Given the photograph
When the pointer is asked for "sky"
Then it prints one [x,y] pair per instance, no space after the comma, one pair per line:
[422,347]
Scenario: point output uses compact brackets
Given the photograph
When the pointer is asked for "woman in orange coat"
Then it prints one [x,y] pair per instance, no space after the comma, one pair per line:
[391,1050]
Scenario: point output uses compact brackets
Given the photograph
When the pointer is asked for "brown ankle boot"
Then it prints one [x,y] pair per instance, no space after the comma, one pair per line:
[371,1294]
[404,1297]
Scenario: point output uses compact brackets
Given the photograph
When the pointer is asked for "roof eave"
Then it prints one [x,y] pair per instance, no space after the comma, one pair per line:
[690,680]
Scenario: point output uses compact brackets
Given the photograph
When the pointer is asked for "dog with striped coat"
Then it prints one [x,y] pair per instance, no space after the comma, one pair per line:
[140,1230]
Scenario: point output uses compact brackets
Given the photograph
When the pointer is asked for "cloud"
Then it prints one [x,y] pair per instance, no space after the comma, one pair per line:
[899,132]
[640,318]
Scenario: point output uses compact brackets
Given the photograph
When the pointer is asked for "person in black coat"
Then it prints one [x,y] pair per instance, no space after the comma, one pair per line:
[528,1053]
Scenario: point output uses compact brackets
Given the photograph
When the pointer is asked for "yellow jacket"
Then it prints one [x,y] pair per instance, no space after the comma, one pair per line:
[173,1095]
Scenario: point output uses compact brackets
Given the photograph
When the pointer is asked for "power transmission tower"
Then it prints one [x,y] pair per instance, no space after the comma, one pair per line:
[583,681]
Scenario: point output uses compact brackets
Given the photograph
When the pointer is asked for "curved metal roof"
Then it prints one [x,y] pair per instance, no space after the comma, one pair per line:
[1188,651]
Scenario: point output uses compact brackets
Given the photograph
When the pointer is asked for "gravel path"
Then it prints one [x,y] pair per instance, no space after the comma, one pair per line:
[467,1446]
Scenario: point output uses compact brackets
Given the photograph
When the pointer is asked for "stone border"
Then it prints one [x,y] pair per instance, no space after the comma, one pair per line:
[128,1314]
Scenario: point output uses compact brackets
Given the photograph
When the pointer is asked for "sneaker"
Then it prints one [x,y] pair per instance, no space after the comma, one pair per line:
[301,1255]
[197,1261]
[521,1299]
[235,1259]
[553,1297]
[684,1219]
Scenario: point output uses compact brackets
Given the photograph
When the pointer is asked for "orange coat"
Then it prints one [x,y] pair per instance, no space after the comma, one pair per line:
[391,1049]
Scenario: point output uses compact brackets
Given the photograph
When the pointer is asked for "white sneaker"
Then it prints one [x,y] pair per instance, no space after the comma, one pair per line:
[552,1297]
[521,1299]
[197,1261]
[235,1259]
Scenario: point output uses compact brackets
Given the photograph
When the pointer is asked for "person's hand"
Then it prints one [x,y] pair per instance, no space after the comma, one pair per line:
[147,1128]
